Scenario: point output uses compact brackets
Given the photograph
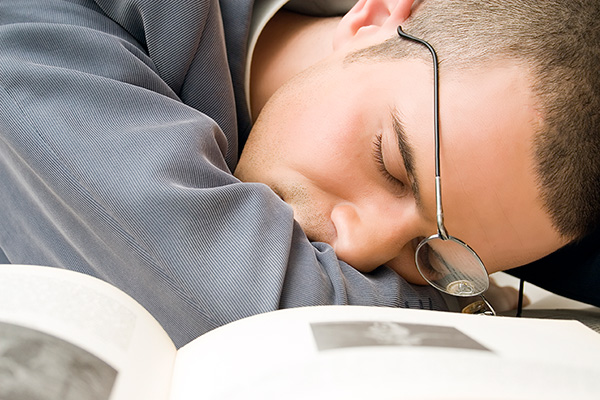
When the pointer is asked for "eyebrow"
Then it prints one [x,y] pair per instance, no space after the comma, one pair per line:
[407,153]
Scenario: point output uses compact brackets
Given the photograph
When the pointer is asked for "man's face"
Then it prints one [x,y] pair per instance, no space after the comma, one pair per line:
[350,148]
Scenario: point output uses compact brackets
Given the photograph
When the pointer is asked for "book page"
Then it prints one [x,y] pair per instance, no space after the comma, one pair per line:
[65,335]
[352,352]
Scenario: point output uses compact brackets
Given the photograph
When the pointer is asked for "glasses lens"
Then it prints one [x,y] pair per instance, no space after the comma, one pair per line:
[451,266]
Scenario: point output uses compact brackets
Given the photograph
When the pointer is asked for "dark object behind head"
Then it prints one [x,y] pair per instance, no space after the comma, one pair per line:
[573,271]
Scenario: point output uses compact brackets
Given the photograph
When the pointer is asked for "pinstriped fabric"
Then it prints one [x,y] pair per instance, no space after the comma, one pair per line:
[118,131]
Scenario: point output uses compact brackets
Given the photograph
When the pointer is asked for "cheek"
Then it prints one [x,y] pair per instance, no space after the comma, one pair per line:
[329,144]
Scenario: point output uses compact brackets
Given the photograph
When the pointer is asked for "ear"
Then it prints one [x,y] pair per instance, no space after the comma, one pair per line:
[371,20]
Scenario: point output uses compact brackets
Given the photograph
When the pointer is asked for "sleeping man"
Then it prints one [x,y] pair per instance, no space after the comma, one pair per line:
[122,122]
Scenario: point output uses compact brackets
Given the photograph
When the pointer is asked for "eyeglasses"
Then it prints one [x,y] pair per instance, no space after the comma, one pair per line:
[448,263]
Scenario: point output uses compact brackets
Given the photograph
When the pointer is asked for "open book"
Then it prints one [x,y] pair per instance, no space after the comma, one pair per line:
[64,335]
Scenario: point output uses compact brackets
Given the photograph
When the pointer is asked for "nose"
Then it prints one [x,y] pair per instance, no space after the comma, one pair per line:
[368,236]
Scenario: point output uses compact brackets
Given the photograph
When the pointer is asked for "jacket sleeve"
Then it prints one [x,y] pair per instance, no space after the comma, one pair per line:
[117,138]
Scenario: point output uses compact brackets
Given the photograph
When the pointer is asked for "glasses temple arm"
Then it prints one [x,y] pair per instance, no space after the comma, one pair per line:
[436,127]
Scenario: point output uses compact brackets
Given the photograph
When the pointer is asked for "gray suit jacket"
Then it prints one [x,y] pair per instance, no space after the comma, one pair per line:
[118,133]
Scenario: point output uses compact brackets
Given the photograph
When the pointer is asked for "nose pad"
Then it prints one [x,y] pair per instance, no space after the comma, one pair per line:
[363,240]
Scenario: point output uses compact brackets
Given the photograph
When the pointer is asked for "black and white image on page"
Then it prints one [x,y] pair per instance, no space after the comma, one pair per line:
[337,335]
[35,365]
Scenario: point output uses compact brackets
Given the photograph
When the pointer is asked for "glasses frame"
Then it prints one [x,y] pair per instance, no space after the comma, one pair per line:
[442,233]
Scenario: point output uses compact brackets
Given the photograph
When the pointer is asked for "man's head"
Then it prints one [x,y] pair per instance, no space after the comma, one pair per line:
[558,43]
[348,143]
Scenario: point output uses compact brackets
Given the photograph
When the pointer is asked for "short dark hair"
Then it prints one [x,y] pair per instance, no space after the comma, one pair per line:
[558,42]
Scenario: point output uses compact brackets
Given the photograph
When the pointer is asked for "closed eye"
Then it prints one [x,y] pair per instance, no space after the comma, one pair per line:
[378,156]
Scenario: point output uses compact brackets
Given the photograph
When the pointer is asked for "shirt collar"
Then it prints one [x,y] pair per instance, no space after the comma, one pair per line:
[262,13]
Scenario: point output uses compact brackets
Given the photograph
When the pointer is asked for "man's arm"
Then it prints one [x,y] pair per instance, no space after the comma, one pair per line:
[115,161]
